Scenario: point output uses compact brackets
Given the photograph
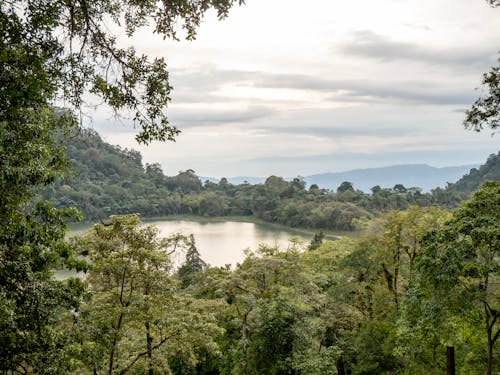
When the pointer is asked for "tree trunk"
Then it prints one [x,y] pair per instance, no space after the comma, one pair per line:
[149,348]
[340,366]
[491,318]
[115,343]
[450,360]
[244,334]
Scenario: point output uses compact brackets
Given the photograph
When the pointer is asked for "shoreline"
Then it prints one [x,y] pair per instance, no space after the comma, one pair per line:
[329,234]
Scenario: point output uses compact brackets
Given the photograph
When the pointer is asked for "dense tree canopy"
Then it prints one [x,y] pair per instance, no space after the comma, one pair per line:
[52,52]
[280,311]
[462,263]
[110,180]
[137,319]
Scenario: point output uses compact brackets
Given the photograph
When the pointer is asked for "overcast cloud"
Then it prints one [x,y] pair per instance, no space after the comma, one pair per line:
[287,87]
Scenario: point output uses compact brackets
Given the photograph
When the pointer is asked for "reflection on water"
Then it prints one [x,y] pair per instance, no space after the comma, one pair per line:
[224,242]
[220,243]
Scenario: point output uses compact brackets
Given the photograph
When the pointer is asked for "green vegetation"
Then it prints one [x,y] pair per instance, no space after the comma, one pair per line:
[137,319]
[388,302]
[490,171]
[54,52]
[486,110]
[108,180]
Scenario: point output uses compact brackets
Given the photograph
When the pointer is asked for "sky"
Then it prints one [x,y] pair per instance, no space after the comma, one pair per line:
[290,87]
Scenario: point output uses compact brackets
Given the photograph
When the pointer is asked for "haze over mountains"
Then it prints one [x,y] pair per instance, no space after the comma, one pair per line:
[410,175]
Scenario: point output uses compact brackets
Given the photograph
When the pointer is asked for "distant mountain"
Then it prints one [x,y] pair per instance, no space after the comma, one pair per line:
[410,175]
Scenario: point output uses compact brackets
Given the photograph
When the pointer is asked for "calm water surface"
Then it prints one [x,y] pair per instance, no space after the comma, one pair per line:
[220,243]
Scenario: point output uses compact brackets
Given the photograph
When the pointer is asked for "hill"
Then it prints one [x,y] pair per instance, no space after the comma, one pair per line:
[107,180]
[410,175]
[490,171]
[110,180]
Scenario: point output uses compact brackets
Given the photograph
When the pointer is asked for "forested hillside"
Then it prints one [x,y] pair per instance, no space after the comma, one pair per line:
[109,180]
[490,171]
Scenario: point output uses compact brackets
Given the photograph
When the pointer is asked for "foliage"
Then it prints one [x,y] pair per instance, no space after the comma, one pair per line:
[110,180]
[269,299]
[137,320]
[459,274]
[388,302]
[54,52]
[61,49]
[192,266]
[490,171]
[316,241]
[285,311]
[33,305]
[486,110]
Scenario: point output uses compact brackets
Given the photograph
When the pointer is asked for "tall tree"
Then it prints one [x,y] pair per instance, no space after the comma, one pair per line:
[60,49]
[54,51]
[33,305]
[137,320]
[269,298]
[192,266]
[461,267]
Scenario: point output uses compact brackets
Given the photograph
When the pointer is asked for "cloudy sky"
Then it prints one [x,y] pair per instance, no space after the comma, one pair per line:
[290,87]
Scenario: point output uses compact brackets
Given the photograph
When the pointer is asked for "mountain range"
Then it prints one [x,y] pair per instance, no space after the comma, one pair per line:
[410,175]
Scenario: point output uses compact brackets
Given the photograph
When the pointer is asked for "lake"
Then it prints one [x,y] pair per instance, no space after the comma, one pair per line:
[223,242]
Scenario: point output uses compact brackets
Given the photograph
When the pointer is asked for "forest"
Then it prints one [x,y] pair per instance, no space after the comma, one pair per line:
[107,180]
[423,277]
[418,281]
[421,282]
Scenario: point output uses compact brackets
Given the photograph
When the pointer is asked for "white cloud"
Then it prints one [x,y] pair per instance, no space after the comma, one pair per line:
[284,80]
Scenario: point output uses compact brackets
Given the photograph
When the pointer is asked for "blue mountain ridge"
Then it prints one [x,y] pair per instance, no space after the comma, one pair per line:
[423,176]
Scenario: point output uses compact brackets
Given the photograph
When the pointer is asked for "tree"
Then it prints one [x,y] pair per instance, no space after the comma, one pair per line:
[137,320]
[316,241]
[54,51]
[61,49]
[192,266]
[269,298]
[396,238]
[461,265]
[32,244]
[33,305]
[345,186]
[486,110]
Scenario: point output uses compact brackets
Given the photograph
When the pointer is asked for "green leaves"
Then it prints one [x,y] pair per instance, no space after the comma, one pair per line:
[137,320]
[485,112]
[459,271]
[34,305]
[61,49]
